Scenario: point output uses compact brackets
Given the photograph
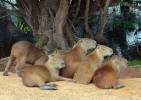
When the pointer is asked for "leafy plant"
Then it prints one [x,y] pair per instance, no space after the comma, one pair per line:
[38,41]
[129,25]
[22,25]
[117,23]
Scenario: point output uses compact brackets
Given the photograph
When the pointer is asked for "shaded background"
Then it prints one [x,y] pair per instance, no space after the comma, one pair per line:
[122,31]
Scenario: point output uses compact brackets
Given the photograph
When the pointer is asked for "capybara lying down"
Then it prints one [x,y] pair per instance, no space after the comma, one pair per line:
[23,52]
[86,69]
[107,76]
[76,55]
[41,75]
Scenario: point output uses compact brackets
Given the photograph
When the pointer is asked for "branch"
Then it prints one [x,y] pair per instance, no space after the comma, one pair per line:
[77,10]
[4,16]
[129,5]
[103,16]
[6,1]
[12,12]
[107,5]
[24,8]
[87,28]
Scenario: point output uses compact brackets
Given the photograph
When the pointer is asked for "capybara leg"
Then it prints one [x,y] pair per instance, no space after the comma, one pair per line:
[65,79]
[48,87]
[18,70]
[10,61]
[51,84]
[20,66]
[119,85]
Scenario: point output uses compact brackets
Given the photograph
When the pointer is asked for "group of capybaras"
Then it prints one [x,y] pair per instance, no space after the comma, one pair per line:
[37,68]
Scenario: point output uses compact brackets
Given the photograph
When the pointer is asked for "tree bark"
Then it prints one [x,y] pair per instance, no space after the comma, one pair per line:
[103,20]
[87,28]
[47,17]
[58,25]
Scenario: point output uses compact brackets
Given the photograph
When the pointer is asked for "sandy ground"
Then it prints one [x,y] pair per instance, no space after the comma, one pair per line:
[11,88]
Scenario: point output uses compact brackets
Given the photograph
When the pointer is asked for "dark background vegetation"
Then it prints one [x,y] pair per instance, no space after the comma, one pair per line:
[122,25]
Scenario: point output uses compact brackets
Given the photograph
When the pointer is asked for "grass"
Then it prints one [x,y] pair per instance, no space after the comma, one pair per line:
[134,62]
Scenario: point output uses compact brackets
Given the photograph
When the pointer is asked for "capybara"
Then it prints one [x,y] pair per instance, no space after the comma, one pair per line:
[107,76]
[43,59]
[86,69]
[23,52]
[41,75]
[76,55]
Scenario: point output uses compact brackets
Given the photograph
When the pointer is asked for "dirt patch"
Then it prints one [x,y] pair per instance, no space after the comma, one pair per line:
[12,89]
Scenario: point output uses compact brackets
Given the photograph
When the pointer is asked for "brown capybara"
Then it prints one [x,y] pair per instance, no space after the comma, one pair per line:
[41,75]
[23,52]
[107,76]
[43,59]
[86,69]
[76,55]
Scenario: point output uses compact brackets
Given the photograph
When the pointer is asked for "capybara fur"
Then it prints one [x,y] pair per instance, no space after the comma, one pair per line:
[23,52]
[86,69]
[76,55]
[44,58]
[107,76]
[41,75]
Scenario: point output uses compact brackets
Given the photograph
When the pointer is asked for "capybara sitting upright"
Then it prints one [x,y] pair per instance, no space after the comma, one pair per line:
[86,69]
[23,52]
[40,75]
[107,76]
[76,55]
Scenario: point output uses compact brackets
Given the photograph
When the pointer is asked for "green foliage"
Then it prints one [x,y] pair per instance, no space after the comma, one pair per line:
[117,23]
[134,62]
[22,25]
[38,41]
[129,1]
[139,24]
[93,19]
[129,25]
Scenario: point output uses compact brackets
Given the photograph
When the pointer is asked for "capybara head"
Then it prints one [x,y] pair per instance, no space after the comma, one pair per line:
[103,50]
[55,62]
[58,54]
[87,44]
[119,62]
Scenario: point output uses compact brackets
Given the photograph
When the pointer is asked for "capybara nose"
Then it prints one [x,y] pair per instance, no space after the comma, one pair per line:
[63,64]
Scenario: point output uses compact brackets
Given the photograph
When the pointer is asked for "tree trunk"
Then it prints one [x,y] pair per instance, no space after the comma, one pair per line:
[58,25]
[87,28]
[103,20]
[48,17]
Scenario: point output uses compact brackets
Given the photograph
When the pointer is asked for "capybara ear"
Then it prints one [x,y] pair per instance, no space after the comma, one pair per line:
[80,40]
